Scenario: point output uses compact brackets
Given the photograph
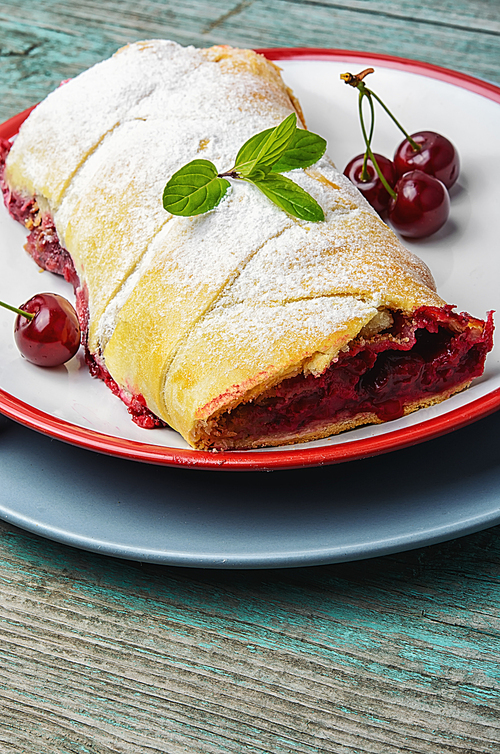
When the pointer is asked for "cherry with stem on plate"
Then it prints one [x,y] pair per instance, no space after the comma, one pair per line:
[362,173]
[419,203]
[46,330]
[436,156]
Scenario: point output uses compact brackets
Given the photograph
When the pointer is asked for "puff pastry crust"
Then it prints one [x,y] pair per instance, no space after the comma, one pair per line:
[212,324]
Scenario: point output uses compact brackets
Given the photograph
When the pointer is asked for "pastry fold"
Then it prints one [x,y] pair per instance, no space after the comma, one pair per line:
[243,327]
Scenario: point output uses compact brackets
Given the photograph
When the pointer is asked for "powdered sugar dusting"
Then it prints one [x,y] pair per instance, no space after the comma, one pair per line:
[332,259]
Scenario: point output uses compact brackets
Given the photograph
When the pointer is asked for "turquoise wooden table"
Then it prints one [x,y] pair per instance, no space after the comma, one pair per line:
[396,654]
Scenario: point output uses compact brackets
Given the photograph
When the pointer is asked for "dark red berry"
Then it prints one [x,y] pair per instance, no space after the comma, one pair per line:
[421,207]
[52,336]
[372,189]
[437,156]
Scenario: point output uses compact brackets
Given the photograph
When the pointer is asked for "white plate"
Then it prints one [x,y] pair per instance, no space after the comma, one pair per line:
[464,257]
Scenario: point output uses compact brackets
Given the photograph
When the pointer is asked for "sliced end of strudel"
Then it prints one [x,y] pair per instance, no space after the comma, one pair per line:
[244,327]
[398,363]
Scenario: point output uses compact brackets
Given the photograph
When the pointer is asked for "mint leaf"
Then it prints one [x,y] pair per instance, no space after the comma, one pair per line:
[290,197]
[304,149]
[194,189]
[264,149]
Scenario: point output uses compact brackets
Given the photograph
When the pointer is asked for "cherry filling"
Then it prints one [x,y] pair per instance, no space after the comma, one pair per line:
[433,352]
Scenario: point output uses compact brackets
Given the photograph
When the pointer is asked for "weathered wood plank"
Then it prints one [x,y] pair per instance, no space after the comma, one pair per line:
[62,38]
[481,15]
[378,657]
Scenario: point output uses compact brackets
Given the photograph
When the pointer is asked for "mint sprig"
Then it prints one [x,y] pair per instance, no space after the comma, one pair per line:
[198,188]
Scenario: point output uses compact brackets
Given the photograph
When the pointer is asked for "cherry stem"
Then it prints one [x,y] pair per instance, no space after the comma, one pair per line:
[369,152]
[356,80]
[364,172]
[413,143]
[28,315]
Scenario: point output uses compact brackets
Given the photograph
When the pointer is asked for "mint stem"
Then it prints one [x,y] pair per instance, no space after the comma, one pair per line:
[387,187]
[28,315]
[228,174]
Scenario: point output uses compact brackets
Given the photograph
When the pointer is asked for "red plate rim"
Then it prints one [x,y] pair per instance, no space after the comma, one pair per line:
[295,456]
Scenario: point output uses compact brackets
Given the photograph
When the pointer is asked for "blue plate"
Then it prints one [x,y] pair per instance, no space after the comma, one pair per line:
[422,495]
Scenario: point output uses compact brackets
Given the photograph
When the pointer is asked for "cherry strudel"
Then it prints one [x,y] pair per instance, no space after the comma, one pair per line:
[243,327]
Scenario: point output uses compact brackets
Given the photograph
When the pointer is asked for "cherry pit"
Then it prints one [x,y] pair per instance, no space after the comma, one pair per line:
[411,190]
[46,330]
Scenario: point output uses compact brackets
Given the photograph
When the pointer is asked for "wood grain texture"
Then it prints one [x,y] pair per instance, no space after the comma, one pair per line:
[397,655]
[39,49]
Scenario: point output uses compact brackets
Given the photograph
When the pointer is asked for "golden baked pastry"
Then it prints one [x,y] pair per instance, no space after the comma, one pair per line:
[243,327]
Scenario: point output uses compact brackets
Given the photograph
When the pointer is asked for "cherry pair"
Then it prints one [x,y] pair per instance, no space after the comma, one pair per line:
[411,190]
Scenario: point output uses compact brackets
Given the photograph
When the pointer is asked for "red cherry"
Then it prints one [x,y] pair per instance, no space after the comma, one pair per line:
[421,207]
[52,336]
[373,189]
[437,156]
